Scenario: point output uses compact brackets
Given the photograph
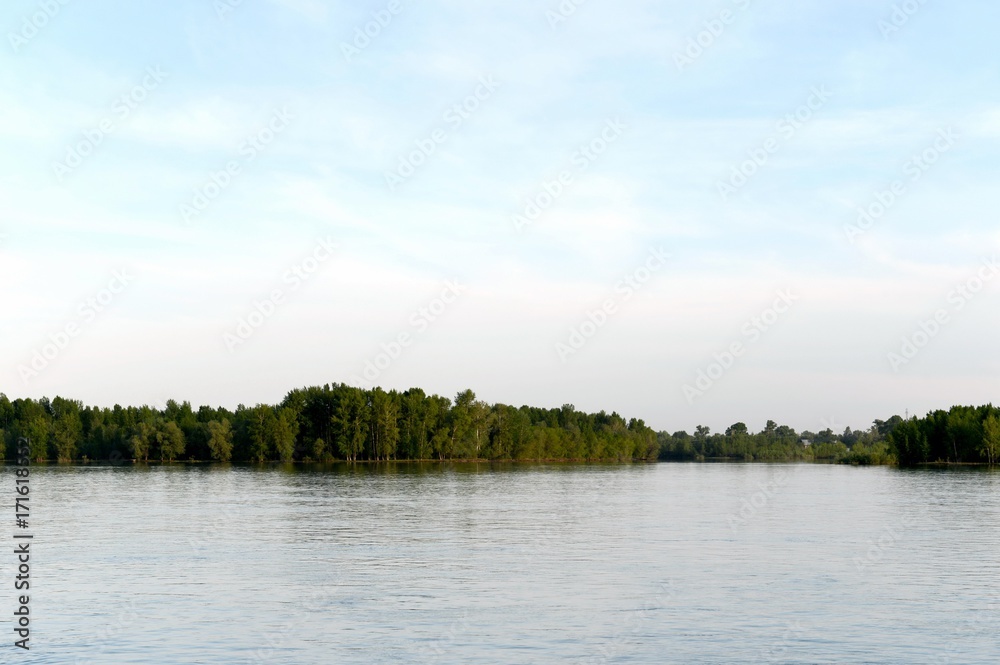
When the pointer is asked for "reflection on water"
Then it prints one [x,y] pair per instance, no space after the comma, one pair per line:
[481,563]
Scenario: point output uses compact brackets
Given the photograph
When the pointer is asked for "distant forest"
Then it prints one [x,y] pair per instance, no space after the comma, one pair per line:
[965,434]
[344,423]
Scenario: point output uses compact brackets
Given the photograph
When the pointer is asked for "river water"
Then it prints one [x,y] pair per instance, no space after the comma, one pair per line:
[409,563]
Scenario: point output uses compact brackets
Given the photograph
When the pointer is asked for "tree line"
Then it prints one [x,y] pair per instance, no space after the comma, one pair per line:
[339,422]
[964,434]
[782,443]
[323,424]
[968,434]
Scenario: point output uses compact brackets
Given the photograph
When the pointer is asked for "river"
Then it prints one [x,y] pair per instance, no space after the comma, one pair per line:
[426,563]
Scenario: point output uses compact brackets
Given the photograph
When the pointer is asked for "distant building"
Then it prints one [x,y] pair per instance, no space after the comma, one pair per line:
[805,442]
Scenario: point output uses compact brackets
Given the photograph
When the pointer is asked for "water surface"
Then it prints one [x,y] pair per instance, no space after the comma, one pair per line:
[665,563]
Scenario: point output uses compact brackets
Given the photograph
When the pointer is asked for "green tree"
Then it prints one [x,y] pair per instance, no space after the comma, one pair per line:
[285,431]
[886,427]
[38,431]
[479,424]
[739,439]
[319,451]
[220,440]
[139,441]
[32,420]
[501,432]
[416,424]
[991,439]
[826,436]
[384,426]
[6,422]
[169,440]
[439,413]
[908,443]
[786,432]
[460,424]
[965,428]
[261,424]
[67,428]
[348,422]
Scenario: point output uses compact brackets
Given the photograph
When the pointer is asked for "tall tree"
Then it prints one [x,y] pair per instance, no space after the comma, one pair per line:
[909,443]
[140,440]
[991,439]
[6,418]
[348,422]
[286,429]
[170,440]
[67,428]
[460,424]
[479,424]
[220,440]
[261,424]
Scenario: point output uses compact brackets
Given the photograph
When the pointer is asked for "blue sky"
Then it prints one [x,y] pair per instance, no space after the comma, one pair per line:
[225,80]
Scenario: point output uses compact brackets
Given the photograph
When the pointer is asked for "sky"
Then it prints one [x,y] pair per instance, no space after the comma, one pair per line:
[690,213]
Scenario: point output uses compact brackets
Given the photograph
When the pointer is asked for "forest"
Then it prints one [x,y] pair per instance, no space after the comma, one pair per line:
[782,443]
[343,423]
[962,435]
[321,424]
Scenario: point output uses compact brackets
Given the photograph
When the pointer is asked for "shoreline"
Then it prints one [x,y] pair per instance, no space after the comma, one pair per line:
[493,462]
